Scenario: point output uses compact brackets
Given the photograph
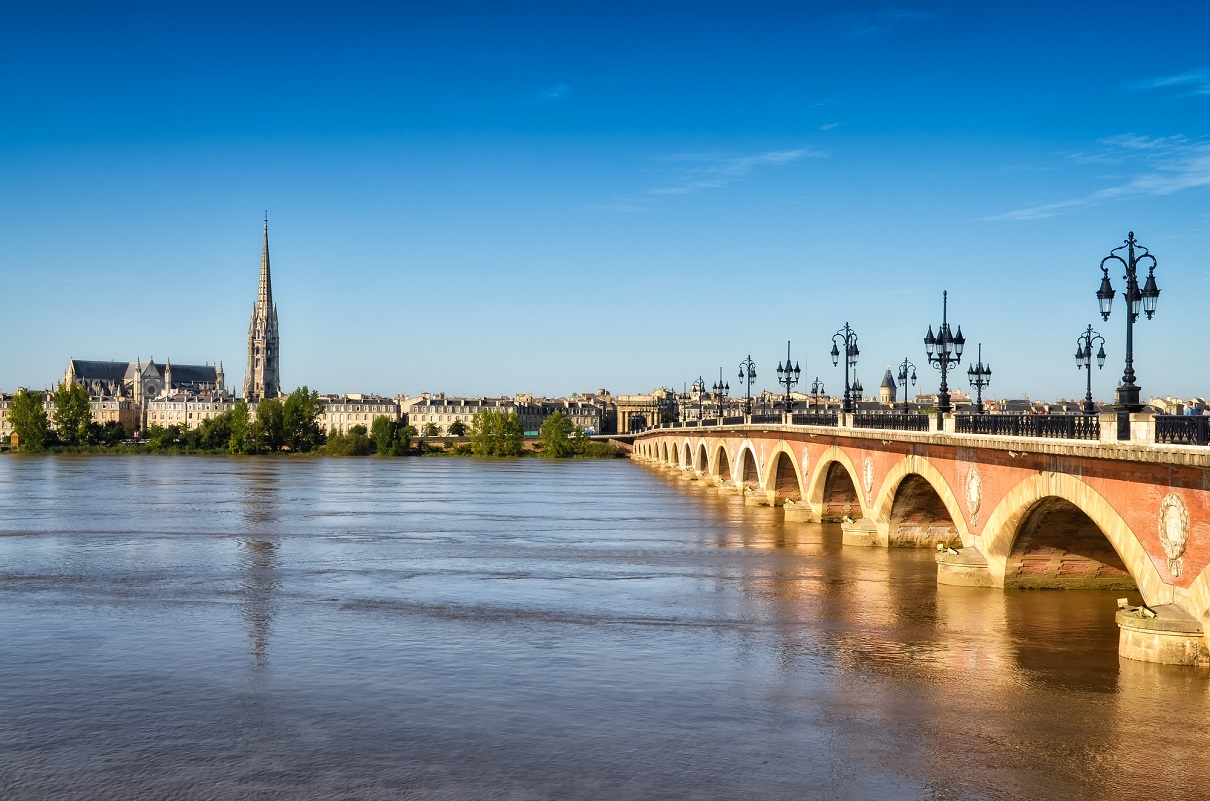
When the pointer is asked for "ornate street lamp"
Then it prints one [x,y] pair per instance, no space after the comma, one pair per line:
[720,391]
[816,390]
[980,375]
[847,337]
[858,389]
[1084,345]
[904,377]
[747,374]
[1127,397]
[944,351]
[788,377]
[699,388]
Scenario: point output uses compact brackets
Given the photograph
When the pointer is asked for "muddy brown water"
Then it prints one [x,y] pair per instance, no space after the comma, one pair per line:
[208,628]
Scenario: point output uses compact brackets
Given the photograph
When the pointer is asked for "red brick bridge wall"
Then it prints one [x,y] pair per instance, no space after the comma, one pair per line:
[1050,514]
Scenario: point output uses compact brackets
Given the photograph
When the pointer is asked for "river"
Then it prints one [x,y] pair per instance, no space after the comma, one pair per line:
[438,628]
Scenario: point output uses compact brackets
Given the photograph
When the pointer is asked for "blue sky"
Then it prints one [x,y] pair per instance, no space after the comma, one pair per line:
[485,198]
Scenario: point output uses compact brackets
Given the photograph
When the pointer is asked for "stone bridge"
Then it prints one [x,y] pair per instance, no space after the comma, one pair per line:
[1127,515]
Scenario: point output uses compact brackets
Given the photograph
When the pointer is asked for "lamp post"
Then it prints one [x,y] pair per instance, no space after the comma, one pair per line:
[747,374]
[944,350]
[699,389]
[980,375]
[720,391]
[1084,344]
[848,338]
[858,389]
[788,377]
[904,377]
[817,390]
[1127,397]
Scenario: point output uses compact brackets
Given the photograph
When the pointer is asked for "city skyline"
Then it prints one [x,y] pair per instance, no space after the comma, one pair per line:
[557,200]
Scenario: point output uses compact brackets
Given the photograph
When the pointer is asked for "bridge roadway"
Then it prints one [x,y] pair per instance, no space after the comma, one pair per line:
[1002,511]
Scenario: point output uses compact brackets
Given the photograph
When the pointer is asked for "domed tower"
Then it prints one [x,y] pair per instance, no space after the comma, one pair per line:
[263,378]
[886,392]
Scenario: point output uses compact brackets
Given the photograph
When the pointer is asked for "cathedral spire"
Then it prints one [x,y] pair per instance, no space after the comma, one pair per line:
[264,294]
[262,379]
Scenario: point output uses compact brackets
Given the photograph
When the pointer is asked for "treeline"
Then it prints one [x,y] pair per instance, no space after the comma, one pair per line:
[279,426]
[71,411]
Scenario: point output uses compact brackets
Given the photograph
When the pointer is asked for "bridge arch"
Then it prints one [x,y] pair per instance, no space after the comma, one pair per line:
[686,454]
[830,468]
[782,475]
[701,462]
[747,467]
[1021,513]
[915,503]
[722,465]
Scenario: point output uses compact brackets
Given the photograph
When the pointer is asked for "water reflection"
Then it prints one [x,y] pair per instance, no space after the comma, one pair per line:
[258,561]
[446,628]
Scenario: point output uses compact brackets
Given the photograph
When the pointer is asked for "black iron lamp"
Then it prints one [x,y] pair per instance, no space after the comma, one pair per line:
[1084,345]
[980,375]
[788,377]
[905,377]
[944,351]
[816,390]
[720,392]
[848,338]
[1138,301]
[747,374]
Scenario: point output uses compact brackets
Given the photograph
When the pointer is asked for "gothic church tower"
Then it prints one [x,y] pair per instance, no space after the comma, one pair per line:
[263,379]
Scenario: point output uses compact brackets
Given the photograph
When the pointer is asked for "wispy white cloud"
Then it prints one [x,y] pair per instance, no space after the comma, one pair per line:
[696,172]
[544,95]
[1164,165]
[827,126]
[1195,82]
[716,170]
[858,25]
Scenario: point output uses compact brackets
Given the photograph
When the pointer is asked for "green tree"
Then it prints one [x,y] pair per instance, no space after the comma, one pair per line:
[270,424]
[216,432]
[382,431]
[72,414]
[432,430]
[301,419]
[496,434]
[456,429]
[27,416]
[555,436]
[355,443]
[403,440]
[242,439]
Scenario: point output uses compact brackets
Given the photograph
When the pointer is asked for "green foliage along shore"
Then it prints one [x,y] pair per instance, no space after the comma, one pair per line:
[279,427]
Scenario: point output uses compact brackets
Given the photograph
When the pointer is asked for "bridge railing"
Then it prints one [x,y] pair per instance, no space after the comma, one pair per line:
[894,421]
[1178,429]
[1053,426]
[734,421]
[709,421]
[814,419]
[766,418]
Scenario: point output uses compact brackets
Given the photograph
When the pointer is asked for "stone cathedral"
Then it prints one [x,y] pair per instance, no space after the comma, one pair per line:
[263,379]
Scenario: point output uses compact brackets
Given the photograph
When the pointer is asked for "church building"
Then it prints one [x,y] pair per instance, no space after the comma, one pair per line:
[263,378]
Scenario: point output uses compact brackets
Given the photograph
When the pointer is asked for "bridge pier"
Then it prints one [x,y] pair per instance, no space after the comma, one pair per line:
[862,533]
[1171,637]
[755,497]
[799,512]
[966,568]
